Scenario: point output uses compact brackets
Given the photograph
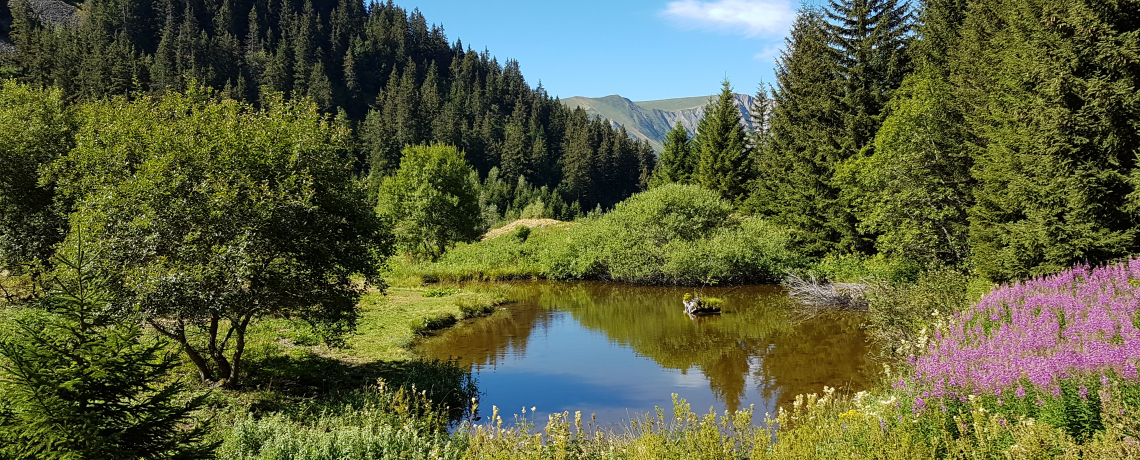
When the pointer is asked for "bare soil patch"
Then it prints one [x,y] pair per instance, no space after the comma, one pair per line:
[511,226]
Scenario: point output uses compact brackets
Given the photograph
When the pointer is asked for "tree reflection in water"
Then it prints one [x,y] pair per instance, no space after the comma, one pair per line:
[754,346]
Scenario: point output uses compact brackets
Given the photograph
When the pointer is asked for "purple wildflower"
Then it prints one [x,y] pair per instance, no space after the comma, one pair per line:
[1026,339]
[1084,392]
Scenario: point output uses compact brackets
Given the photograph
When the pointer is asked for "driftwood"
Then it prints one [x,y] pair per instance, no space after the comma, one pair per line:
[814,297]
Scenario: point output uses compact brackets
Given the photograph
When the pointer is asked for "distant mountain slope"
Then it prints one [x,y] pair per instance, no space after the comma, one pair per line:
[651,120]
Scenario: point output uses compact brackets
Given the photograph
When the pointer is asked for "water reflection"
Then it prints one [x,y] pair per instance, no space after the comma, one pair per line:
[620,350]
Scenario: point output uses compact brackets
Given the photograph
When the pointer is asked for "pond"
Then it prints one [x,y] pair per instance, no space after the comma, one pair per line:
[619,351]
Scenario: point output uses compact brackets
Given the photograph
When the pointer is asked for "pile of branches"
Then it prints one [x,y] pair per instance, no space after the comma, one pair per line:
[814,297]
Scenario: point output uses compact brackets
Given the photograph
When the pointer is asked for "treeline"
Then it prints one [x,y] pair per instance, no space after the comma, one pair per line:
[395,78]
[999,135]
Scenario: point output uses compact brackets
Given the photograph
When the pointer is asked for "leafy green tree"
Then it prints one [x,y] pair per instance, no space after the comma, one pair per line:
[722,159]
[432,200]
[1053,87]
[677,162]
[914,190]
[38,128]
[79,381]
[213,214]
[915,187]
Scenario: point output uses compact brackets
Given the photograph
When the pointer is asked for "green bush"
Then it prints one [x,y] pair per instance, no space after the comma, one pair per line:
[674,234]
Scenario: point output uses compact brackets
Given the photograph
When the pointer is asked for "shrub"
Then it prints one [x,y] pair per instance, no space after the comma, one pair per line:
[674,234]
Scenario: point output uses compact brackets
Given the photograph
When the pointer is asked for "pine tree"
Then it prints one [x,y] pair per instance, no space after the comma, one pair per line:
[722,160]
[77,381]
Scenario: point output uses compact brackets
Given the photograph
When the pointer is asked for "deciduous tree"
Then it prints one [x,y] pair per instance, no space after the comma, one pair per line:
[212,214]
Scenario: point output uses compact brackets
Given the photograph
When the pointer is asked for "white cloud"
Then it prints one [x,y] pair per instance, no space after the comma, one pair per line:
[771,18]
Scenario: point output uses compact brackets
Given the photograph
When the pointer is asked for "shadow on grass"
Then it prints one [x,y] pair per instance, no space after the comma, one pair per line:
[283,382]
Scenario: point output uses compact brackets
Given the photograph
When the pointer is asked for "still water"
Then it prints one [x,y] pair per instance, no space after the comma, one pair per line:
[619,351]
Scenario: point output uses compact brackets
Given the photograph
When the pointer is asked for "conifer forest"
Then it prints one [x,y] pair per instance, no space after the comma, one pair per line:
[227,225]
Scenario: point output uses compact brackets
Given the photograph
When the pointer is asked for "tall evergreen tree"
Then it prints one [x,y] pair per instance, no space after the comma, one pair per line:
[794,182]
[913,190]
[722,159]
[870,41]
[677,162]
[1052,90]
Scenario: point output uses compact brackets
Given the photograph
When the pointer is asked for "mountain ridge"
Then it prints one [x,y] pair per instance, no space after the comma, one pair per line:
[652,120]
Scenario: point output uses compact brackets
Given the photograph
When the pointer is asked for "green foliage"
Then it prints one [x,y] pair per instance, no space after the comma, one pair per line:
[678,161]
[870,39]
[432,201]
[914,190]
[1053,85]
[834,79]
[521,233]
[440,292]
[434,323]
[502,202]
[38,128]
[79,381]
[722,160]
[393,75]
[793,184]
[903,315]
[375,423]
[673,234]
[212,214]
[856,268]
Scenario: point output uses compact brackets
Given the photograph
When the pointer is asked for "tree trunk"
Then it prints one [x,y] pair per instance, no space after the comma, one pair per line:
[179,335]
[218,353]
[233,380]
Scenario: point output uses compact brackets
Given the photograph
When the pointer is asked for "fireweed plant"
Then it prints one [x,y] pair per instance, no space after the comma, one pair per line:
[1050,347]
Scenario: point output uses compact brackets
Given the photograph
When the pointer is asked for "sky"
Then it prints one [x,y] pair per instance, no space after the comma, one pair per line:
[640,49]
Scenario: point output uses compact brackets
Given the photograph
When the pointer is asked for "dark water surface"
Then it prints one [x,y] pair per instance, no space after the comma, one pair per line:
[619,351]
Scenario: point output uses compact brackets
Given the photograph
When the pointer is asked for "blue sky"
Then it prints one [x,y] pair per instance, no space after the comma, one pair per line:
[640,49]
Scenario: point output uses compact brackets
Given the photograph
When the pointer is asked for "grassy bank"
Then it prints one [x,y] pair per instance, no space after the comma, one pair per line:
[371,398]
[675,234]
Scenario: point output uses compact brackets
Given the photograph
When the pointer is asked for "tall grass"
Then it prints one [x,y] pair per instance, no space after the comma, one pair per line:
[673,235]
[374,423]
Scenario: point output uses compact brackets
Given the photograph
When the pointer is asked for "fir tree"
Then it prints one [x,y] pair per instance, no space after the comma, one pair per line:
[677,163]
[1053,91]
[79,382]
[722,160]
[794,172]
[870,40]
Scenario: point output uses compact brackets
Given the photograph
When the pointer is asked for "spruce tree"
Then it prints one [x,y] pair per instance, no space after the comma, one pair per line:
[915,187]
[676,164]
[77,381]
[722,160]
[870,39]
[794,170]
[1053,91]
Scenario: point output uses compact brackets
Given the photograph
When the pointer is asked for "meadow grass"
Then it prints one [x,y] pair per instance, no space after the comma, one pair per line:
[372,398]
